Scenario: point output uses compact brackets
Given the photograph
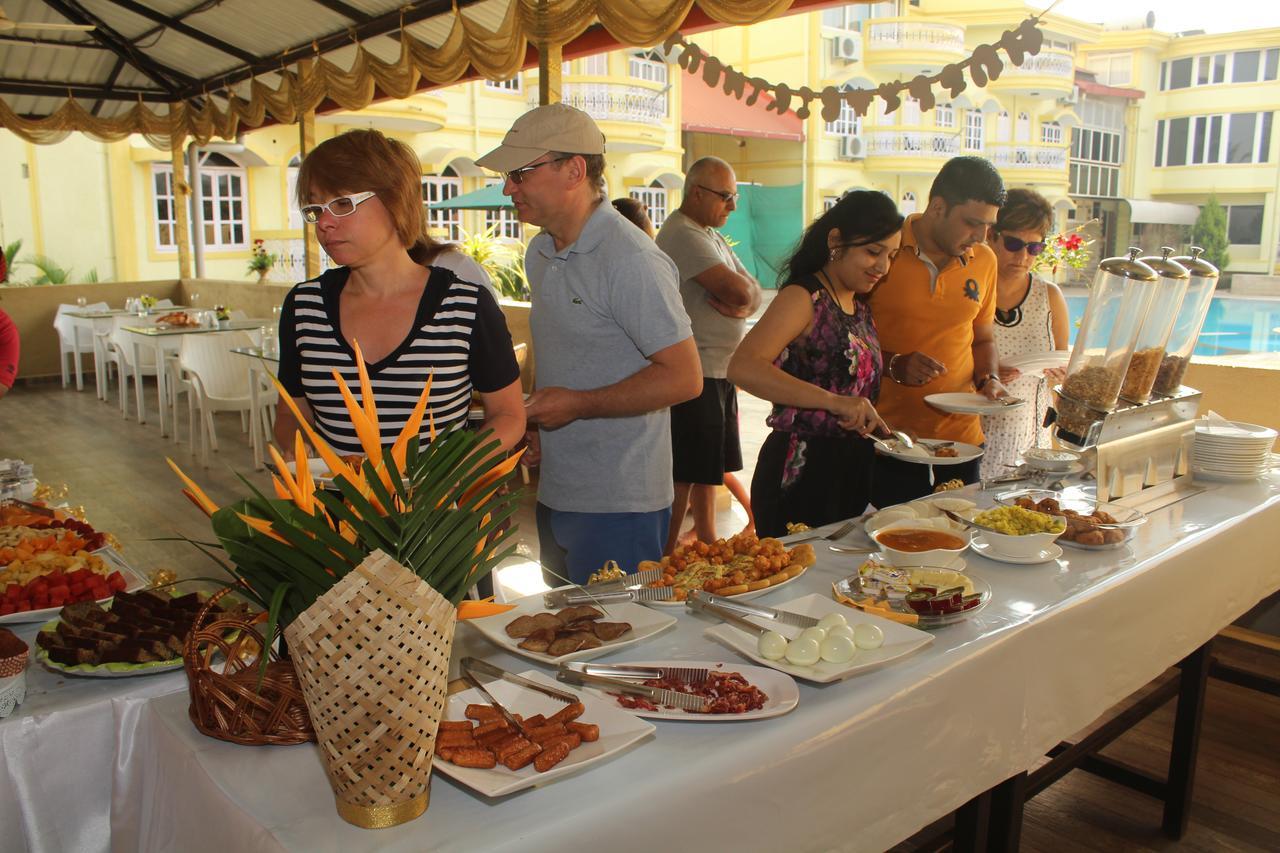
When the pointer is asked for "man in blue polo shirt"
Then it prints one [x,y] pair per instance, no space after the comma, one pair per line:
[612,345]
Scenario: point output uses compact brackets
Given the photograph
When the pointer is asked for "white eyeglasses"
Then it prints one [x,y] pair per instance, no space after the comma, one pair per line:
[343,205]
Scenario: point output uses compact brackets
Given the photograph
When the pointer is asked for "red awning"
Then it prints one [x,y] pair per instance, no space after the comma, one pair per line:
[709,110]
[1092,87]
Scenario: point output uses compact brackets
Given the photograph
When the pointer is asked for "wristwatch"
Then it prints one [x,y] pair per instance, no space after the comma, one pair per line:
[981,381]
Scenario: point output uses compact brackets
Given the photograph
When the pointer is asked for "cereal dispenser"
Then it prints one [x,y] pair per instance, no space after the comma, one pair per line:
[1149,350]
[1188,322]
[1121,295]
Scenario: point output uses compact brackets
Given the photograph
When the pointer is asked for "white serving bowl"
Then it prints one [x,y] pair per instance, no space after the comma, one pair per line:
[1025,546]
[939,557]
[1055,460]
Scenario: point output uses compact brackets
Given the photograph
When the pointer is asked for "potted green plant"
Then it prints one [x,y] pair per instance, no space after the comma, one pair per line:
[261,261]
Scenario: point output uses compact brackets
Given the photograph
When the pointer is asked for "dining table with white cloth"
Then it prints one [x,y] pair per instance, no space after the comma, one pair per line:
[859,764]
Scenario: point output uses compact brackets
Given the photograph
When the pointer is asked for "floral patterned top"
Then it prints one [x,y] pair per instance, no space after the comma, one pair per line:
[841,354]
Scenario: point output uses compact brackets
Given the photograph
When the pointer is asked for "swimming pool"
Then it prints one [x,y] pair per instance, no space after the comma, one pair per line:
[1236,324]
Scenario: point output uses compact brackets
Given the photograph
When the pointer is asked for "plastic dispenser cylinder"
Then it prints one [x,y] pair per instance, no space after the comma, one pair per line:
[1201,286]
[1149,351]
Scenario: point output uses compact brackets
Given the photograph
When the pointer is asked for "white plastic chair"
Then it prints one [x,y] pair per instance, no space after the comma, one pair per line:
[119,347]
[74,341]
[219,381]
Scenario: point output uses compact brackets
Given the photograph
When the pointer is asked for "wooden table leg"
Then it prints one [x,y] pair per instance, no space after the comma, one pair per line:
[1186,741]
[973,821]
[1007,800]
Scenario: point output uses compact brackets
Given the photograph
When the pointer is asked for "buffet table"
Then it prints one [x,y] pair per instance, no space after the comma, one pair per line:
[858,765]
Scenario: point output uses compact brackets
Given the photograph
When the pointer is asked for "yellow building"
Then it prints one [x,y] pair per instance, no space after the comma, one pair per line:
[1133,126]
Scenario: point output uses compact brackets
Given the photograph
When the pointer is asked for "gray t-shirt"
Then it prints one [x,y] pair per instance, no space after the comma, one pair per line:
[696,249]
[600,308]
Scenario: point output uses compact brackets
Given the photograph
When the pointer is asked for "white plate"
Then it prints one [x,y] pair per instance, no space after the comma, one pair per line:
[618,730]
[967,453]
[981,546]
[743,596]
[112,558]
[1215,477]
[645,623]
[1038,362]
[968,403]
[899,640]
[778,686]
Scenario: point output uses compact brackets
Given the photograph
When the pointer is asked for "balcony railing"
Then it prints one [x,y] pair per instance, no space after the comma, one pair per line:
[1027,156]
[913,35]
[911,143]
[1046,63]
[616,101]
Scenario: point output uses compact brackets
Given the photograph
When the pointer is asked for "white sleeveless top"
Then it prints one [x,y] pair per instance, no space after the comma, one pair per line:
[1028,331]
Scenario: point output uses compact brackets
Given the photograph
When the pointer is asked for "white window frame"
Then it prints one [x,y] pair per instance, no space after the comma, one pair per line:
[1050,133]
[647,65]
[511,86]
[908,205]
[164,172]
[1212,155]
[974,130]
[1262,230]
[1022,128]
[438,188]
[909,113]
[296,221]
[655,201]
[944,117]
[1004,126]
[596,65]
[830,201]
[219,192]
[508,223]
[848,123]
[1106,66]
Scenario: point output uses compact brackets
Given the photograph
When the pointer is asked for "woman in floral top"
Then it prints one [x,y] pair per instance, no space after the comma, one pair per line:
[815,355]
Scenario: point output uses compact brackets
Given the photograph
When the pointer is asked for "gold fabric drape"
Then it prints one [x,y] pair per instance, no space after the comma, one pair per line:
[496,55]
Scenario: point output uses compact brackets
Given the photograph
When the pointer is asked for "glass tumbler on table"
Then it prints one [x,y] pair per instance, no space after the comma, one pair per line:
[81,302]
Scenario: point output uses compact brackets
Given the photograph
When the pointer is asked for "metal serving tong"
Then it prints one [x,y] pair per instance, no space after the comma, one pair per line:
[642,595]
[474,665]
[488,697]
[556,598]
[716,604]
[687,674]
[839,533]
[657,695]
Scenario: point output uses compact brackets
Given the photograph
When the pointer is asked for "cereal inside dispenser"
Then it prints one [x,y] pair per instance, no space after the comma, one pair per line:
[1148,353]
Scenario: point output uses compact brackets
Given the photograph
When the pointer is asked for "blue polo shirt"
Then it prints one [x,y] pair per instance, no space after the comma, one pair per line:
[600,308]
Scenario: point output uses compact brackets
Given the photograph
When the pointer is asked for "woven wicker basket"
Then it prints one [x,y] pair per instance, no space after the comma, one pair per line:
[235,702]
[372,656]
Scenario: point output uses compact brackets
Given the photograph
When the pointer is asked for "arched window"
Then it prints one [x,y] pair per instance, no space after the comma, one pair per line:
[848,123]
[444,224]
[654,197]
[910,111]
[1022,130]
[1004,127]
[908,204]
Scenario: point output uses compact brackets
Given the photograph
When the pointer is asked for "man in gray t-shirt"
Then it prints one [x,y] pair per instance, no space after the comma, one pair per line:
[612,348]
[719,295]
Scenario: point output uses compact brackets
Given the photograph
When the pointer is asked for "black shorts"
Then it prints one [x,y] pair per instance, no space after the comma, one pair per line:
[704,435]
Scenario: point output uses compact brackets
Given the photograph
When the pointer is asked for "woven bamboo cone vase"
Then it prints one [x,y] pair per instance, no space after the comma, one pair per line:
[372,656]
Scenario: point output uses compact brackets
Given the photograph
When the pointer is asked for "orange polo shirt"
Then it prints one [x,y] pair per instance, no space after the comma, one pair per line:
[938,321]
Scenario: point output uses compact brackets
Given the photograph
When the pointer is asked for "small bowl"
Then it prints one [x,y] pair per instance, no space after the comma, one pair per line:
[939,557]
[1053,460]
[1026,545]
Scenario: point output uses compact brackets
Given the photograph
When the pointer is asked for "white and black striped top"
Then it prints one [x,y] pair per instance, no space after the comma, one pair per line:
[460,337]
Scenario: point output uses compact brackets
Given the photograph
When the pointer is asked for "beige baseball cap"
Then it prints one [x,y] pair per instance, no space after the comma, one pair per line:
[551,127]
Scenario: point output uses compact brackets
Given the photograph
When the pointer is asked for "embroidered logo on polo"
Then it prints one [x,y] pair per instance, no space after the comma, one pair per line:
[971,289]
[577,300]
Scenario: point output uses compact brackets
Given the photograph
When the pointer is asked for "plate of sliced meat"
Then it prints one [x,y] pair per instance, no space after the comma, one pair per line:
[596,729]
[734,691]
[570,633]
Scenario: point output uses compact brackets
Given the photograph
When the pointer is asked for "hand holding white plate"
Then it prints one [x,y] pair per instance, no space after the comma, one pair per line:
[968,403]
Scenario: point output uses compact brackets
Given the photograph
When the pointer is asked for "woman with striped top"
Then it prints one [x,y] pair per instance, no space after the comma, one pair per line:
[411,317]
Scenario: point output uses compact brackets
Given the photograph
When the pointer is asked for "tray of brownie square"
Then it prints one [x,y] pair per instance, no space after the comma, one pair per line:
[138,634]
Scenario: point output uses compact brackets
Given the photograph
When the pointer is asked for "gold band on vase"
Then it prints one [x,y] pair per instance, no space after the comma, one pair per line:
[382,817]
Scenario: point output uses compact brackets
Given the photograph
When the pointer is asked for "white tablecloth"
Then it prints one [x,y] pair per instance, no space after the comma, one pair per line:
[858,765]
[60,747]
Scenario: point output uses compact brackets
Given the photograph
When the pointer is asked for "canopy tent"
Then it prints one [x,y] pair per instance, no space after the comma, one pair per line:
[707,109]
[485,198]
[765,228]
[1161,212]
[176,69]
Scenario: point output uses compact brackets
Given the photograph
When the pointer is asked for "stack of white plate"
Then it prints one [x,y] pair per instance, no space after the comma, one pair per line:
[1231,451]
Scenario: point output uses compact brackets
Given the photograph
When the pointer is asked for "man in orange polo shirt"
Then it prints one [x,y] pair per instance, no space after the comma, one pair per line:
[934,312]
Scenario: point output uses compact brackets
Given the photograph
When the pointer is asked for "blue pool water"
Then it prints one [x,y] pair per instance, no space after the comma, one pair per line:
[1234,325]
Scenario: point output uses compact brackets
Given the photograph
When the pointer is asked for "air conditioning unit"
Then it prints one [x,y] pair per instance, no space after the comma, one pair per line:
[1072,99]
[852,148]
[846,48]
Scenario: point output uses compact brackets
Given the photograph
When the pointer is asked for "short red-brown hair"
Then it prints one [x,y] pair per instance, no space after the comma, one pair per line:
[361,160]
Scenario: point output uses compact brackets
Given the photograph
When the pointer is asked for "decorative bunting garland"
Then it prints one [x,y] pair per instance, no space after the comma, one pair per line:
[983,65]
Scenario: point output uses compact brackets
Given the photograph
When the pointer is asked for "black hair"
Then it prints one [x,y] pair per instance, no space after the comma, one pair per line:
[861,216]
[965,179]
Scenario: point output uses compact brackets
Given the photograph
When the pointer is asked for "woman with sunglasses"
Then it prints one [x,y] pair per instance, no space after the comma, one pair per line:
[815,355]
[393,292]
[1031,317]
